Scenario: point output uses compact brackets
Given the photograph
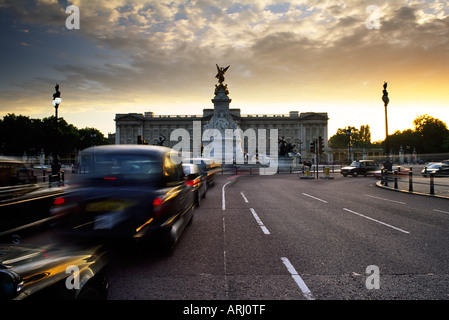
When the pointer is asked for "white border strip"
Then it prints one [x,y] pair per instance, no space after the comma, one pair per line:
[223,199]
[385,224]
[301,284]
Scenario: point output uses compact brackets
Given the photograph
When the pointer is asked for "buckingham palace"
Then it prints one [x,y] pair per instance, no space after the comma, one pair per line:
[299,129]
[296,129]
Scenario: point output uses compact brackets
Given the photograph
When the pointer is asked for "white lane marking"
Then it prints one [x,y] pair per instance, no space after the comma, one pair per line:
[223,198]
[244,198]
[264,229]
[436,210]
[367,195]
[225,274]
[301,284]
[308,195]
[385,224]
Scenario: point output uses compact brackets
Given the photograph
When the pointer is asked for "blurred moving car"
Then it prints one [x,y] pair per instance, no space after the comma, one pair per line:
[47,273]
[23,202]
[397,170]
[209,166]
[400,170]
[439,169]
[197,179]
[362,167]
[127,191]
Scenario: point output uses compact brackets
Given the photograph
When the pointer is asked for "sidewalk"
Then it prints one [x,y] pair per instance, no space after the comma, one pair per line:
[419,186]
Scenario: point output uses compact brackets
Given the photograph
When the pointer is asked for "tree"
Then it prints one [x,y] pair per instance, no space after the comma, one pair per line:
[16,135]
[20,134]
[90,137]
[406,138]
[433,134]
[359,138]
[365,134]
[430,135]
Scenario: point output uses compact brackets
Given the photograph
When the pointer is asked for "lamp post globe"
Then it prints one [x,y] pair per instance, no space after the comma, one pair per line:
[387,163]
[56,166]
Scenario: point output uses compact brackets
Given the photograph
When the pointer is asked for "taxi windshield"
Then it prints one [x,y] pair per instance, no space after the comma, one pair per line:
[119,166]
[355,164]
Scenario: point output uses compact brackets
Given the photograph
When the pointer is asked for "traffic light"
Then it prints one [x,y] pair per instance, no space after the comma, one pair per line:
[312,146]
[320,145]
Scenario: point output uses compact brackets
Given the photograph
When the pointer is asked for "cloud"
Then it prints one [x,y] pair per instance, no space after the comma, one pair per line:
[148,52]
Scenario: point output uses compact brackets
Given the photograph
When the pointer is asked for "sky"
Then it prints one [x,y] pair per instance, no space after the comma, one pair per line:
[160,56]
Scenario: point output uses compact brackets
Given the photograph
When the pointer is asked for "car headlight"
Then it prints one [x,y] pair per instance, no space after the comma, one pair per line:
[10,284]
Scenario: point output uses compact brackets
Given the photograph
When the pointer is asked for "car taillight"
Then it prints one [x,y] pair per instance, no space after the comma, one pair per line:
[61,206]
[157,202]
[192,182]
[159,207]
[58,201]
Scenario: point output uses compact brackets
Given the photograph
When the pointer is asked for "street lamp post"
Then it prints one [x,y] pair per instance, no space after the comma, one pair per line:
[56,166]
[387,164]
[350,149]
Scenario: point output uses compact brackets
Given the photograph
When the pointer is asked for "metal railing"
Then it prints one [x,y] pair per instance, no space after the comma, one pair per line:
[428,184]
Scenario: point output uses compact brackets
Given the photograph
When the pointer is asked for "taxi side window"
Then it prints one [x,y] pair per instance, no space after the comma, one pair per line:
[172,172]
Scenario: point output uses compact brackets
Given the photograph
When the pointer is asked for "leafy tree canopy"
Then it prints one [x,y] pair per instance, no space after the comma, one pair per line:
[429,135]
[357,137]
[21,134]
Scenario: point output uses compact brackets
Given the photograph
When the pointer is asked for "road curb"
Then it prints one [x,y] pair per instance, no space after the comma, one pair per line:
[379,184]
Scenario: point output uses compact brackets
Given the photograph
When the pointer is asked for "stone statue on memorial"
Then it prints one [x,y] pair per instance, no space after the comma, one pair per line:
[220,76]
[220,73]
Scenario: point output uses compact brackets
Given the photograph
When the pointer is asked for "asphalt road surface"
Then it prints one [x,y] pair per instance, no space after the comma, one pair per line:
[281,238]
[257,240]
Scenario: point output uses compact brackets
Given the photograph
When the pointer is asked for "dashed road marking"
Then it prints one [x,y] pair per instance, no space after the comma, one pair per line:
[244,198]
[372,219]
[264,229]
[308,195]
[301,284]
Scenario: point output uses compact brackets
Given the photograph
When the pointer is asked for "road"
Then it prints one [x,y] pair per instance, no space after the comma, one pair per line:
[259,238]
[281,238]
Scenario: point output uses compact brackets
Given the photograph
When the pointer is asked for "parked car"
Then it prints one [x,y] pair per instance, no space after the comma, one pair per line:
[197,179]
[48,273]
[439,169]
[23,202]
[130,191]
[362,167]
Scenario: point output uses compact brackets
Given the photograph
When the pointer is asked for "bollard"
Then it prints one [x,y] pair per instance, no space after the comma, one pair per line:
[396,182]
[432,188]
[386,178]
[410,181]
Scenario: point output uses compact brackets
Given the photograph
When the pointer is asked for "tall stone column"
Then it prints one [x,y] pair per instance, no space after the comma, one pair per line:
[221,127]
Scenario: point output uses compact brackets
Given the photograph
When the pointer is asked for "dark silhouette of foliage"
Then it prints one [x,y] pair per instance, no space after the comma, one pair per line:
[429,135]
[21,134]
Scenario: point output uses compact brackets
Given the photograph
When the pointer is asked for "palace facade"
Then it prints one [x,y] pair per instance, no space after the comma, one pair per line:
[299,129]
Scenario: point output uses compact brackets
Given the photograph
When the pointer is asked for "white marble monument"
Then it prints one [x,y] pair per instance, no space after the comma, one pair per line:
[222,131]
